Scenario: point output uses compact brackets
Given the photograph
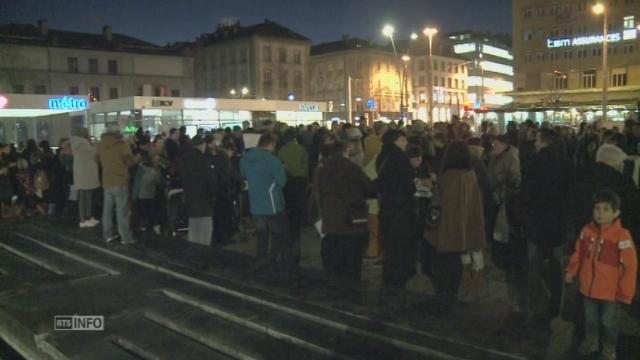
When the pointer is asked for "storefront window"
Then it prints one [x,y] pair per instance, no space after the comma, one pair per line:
[42,130]
[22,132]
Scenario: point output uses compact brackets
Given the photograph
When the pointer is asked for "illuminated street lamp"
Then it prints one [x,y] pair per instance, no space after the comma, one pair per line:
[601,9]
[388,31]
[414,36]
[429,33]
[403,85]
[232,92]
[244,91]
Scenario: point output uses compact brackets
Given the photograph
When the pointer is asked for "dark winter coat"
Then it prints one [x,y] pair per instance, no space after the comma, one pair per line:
[199,183]
[341,187]
[546,182]
[597,176]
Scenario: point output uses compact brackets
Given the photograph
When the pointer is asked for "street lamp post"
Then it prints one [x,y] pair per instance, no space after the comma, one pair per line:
[403,82]
[388,31]
[429,33]
[601,9]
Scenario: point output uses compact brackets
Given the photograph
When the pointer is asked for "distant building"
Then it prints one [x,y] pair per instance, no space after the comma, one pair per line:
[39,60]
[557,48]
[490,64]
[267,60]
[375,79]
[448,78]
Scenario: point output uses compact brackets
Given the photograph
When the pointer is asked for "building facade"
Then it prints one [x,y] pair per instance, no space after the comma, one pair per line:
[265,60]
[558,48]
[374,74]
[39,60]
[490,65]
[449,79]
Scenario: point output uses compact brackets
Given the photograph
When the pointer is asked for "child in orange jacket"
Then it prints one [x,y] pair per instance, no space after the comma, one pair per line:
[606,263]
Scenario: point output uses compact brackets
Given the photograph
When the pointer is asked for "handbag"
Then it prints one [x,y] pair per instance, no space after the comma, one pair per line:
[434,212]
[358,214]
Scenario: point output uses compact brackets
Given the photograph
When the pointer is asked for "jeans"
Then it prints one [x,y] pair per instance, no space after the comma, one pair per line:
[278,227]
[601,313]
[85,204]
[544,266]
[200,230]
[117,197]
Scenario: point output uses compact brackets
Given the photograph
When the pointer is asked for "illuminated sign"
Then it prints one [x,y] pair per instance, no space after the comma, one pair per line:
[584,40]
[3,101]
[68,103]
[495,51]
[200,103]
[495,67]
[464,48]
[309,107]
[161,103]
[372,104]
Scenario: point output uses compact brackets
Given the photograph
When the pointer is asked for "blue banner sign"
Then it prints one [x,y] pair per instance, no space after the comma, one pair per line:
[68,103]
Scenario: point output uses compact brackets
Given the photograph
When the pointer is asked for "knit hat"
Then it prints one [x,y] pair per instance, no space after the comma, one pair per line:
[611,155]
[353,133]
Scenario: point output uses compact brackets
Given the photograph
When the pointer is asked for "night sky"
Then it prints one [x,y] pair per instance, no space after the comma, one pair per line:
[163,21]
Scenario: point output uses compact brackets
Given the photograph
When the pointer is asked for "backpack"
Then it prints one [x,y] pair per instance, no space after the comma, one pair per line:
[40,181]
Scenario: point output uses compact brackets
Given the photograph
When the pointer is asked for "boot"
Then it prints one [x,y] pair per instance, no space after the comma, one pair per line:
[608,352]
[588,346]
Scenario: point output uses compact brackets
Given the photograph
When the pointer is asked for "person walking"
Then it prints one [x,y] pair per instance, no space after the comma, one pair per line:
[460,227]
[295,159]
[606,263]
[200,187]
[342,188]
[546,182]
[266,179]
[115,157]
[398,230]
[85,175]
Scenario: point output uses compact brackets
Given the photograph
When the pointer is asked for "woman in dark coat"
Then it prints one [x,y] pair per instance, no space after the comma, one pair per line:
[342,189]
[398,229]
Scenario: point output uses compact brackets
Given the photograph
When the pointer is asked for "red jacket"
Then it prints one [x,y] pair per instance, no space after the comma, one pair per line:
[606,263]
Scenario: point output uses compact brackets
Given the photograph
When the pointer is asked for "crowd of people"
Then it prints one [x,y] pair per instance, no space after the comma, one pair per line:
[443,196]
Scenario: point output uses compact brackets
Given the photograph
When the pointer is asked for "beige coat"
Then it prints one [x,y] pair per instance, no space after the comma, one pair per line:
[461,226]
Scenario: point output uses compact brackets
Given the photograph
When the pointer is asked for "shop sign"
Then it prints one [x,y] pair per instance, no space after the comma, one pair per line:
[372,104]
[309,107]
[3,101]
[161,103]
[583,40]
[68,103]
[209,103]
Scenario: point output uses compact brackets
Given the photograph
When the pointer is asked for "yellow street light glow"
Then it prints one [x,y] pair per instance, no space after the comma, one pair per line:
[430,31]
[414,36]
[598,8]
[388,30]
[405,58]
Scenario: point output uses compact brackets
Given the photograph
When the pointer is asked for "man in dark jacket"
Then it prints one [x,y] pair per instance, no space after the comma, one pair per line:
[546,181]
[199,183]
[342,188]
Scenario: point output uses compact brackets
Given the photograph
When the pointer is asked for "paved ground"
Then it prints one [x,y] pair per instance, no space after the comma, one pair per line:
[38,282]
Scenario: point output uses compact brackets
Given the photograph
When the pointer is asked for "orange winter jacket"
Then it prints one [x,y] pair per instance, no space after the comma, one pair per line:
[606,263]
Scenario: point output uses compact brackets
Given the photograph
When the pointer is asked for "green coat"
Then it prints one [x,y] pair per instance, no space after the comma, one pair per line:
[295,159]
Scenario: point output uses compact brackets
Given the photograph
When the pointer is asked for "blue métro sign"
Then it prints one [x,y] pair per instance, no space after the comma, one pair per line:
[68,103]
